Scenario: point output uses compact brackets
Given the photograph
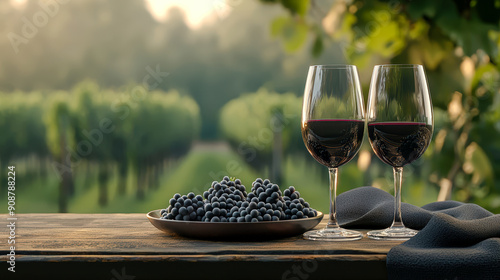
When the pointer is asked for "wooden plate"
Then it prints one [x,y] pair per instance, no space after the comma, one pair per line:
[247,231]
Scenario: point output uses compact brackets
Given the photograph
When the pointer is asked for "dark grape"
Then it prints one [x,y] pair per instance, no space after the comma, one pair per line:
[254,213]
[277,213]
[252,205]
[200,212]
[172,201]
[209,214]
[262,196]
[216,211]
[175,211]
[192,216]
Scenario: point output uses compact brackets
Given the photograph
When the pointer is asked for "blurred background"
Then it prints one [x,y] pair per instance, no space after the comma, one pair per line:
[114,106]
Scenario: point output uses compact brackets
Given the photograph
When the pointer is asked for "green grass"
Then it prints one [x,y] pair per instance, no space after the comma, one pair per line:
[39,195]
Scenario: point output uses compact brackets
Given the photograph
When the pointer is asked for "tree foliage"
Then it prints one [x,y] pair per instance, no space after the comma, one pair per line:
[21,122]
[97,126]
[252,121]
[458,43]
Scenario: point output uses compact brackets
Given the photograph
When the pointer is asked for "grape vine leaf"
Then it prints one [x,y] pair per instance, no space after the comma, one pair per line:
[299,7]
[291,31]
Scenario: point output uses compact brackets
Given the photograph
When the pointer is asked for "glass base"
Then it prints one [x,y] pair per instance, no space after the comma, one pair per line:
[333,234]
[392,233]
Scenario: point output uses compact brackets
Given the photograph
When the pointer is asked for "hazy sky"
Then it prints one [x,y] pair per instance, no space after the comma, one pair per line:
[196,10]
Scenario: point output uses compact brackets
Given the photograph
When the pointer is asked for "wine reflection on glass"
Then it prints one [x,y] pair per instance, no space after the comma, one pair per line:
[400,125]
[332,129]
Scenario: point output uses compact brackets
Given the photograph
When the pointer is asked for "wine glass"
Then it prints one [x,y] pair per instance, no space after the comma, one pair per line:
[400,125]
[332,129]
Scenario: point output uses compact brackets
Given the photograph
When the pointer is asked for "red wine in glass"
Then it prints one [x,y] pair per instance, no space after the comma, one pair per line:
[399,143]
[333,142]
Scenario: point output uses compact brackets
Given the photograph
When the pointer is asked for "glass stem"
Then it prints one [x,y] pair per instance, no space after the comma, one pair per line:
[398,179]
[332,223]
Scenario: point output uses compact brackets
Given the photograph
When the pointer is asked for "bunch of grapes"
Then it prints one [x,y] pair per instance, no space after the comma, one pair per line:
[228,201]
[221,197]
[264,203]
[184,208]
[295,206]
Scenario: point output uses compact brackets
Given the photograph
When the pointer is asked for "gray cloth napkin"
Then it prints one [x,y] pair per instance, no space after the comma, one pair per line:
[457,240]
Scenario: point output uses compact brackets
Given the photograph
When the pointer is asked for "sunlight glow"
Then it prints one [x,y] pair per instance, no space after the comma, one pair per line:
[197,11]
[18,3]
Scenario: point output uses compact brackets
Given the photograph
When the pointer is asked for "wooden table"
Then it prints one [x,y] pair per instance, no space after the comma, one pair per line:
[127,246]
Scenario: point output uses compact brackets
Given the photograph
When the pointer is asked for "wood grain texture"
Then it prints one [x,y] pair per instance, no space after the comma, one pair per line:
[97,244]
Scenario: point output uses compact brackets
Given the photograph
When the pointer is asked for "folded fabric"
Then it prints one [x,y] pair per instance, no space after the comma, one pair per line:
[372,208]
[449,248]
[457,240]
